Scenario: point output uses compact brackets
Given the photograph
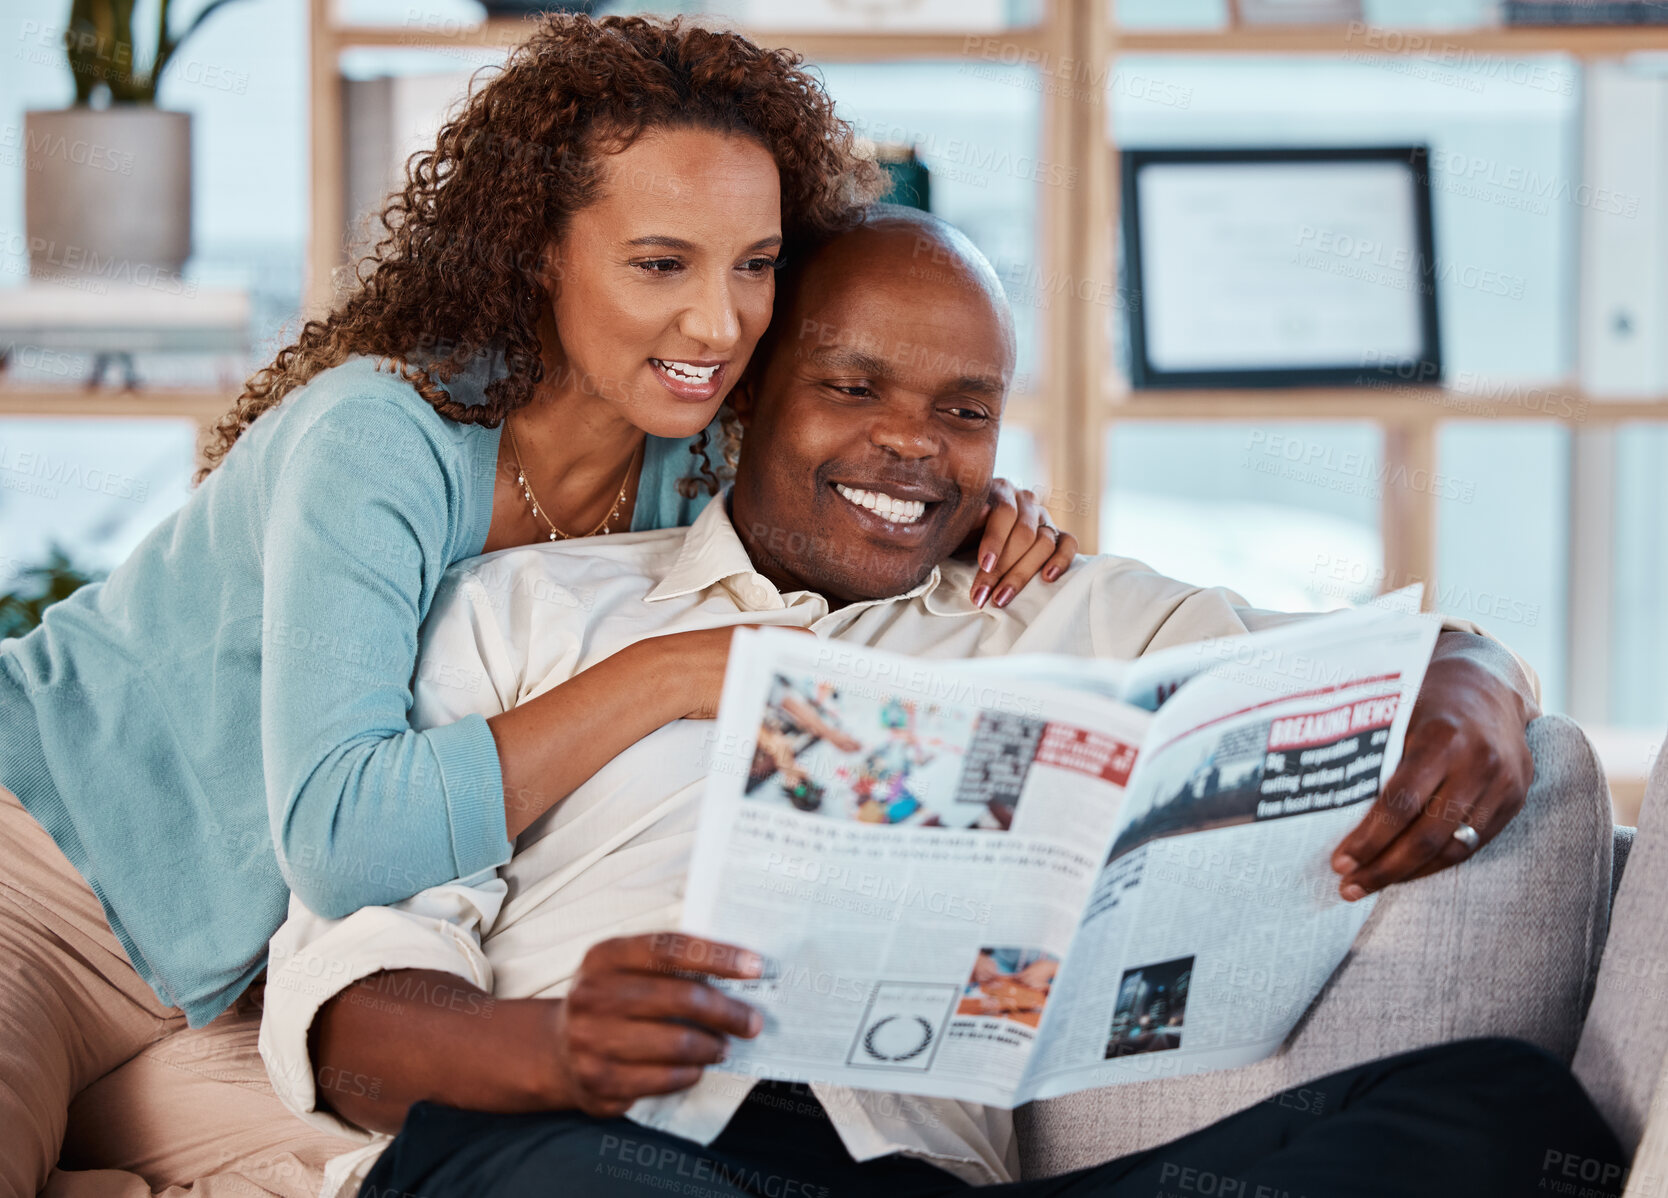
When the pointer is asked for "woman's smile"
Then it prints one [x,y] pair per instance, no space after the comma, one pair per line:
[693,381]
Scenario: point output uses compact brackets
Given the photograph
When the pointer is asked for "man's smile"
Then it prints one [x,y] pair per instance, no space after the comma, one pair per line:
[894,509]
[906,514]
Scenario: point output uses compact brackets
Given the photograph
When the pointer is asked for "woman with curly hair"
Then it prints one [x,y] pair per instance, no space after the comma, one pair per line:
[537,348]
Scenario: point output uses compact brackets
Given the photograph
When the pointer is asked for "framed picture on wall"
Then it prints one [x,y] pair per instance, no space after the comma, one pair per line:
[1279,267]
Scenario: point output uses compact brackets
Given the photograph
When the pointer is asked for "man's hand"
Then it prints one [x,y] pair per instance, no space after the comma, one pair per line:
[636,1022]
[1466,760]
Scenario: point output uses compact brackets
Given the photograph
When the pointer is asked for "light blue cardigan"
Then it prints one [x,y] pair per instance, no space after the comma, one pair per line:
[244,680]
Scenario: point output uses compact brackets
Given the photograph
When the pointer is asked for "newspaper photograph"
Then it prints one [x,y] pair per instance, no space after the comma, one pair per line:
[998,880]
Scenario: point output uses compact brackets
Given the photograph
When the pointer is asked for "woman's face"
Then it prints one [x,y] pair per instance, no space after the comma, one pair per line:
[662,287]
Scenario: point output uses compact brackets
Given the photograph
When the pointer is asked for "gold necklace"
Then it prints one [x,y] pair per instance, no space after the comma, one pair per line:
[557,534]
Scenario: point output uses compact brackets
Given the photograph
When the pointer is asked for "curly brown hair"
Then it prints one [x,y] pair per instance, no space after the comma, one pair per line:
[455,271]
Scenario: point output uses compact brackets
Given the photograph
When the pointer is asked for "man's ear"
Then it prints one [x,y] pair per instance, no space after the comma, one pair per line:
[742,398]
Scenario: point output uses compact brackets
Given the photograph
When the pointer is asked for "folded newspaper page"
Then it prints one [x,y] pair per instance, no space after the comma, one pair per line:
[1016,878]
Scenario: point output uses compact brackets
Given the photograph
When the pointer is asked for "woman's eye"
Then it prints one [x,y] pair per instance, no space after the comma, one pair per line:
[660,266]
[759,266]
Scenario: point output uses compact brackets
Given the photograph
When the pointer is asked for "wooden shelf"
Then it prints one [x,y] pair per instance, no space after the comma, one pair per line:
[1404,405]
[1451,47]
[204,405]
[503,33]
[1580,41]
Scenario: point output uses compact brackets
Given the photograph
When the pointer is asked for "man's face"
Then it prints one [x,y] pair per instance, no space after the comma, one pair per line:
[871,429]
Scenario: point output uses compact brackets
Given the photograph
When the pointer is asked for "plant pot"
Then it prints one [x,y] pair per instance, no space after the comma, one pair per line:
[107,192]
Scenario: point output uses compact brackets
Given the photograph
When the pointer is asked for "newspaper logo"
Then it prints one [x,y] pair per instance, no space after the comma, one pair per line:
[1326,758]
[903,1026]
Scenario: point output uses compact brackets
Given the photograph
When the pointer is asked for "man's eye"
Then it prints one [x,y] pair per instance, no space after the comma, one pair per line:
[973,415]
[660,266]
[855,390]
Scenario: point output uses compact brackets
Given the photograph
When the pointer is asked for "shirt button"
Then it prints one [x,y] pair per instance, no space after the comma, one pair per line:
[756,594]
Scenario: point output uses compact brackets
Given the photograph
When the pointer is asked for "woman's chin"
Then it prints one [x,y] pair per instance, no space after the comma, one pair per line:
[676,420]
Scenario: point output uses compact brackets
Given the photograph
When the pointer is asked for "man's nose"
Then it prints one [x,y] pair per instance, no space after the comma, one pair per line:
[712,318]
[903,435]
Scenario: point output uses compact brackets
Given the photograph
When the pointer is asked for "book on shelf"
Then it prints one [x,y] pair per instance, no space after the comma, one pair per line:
[1297,12]
[385,121]
[1623,209]
[874,16]
[1584,12]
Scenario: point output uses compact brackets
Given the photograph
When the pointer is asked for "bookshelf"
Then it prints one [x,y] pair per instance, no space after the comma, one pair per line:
[1076,400]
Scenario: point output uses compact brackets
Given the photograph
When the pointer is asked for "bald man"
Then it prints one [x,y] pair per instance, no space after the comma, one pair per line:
[510,1020]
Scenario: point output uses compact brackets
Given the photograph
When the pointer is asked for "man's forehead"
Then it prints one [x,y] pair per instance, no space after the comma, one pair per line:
[896,258]
[879,316]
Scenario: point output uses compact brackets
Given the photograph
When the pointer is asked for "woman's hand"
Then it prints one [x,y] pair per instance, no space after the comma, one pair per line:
[1018,541]
[551,745]
[693,662]
[638,1022]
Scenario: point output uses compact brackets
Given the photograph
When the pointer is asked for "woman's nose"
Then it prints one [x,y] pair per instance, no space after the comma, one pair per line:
[712,319]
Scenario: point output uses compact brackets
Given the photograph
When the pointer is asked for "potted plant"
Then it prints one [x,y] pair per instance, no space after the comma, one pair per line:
[56,578]
[107,186]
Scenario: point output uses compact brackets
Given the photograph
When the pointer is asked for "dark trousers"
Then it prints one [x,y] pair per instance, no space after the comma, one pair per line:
[1476,1119]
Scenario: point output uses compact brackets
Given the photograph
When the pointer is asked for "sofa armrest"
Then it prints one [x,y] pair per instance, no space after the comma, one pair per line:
[1623,1045]
[1506,944]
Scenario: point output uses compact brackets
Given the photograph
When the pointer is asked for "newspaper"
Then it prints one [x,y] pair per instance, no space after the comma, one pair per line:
[1015,878]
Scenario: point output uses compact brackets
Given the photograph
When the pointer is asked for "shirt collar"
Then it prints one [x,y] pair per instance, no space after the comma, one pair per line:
[948,594]
[712,553]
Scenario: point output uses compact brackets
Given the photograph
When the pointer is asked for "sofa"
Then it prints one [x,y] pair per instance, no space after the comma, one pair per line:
[1509,944]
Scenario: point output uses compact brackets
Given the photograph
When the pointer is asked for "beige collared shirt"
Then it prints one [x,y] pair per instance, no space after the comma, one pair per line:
[611,858]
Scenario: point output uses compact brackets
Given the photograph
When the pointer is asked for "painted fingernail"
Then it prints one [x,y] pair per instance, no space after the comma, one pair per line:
[751,963]
[1343,863]
[980,594]
[1353,893]
[987,563]
[1003,596]
[1050,574]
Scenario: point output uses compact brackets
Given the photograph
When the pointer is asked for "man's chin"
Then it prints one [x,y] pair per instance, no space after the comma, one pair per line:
[857,586]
